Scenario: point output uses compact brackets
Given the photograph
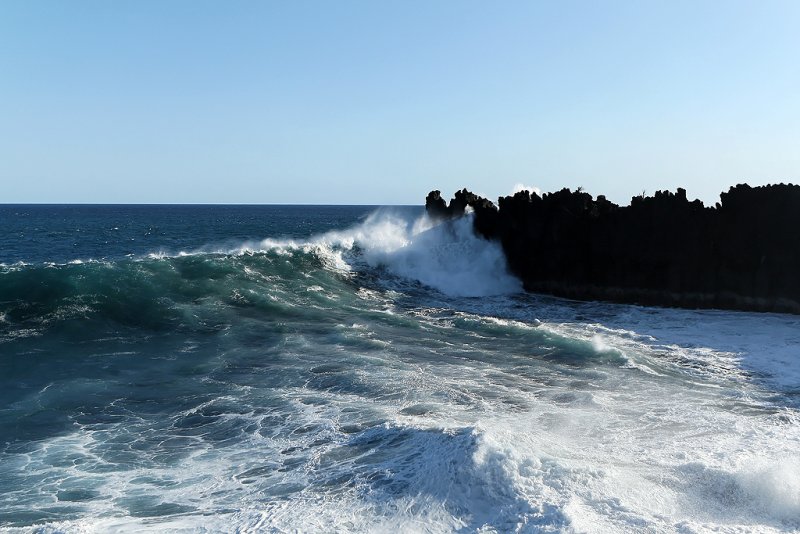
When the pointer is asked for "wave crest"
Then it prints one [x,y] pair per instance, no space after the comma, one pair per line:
[448,256]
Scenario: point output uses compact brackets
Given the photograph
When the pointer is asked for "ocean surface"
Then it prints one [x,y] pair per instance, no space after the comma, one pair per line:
[357,369]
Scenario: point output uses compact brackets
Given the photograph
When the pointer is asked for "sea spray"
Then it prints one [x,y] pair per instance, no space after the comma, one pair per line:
[447,256]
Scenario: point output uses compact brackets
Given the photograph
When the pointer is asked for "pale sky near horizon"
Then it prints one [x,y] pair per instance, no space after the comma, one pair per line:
[379,102]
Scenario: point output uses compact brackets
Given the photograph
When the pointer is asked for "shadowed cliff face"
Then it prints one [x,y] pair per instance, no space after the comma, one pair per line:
[744,253]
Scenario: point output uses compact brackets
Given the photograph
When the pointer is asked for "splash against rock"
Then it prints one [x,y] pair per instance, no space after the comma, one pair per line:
[743,253]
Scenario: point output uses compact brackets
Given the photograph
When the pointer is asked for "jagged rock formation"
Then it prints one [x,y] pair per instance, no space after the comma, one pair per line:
[743,253]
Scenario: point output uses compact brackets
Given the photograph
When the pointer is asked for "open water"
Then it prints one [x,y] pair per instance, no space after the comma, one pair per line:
[355,369]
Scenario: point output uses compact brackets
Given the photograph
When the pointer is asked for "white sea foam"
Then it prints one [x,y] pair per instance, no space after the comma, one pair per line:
[773,487]
[740,345]
[496,443]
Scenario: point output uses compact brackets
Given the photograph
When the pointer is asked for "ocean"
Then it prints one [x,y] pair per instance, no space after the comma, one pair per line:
[360,369]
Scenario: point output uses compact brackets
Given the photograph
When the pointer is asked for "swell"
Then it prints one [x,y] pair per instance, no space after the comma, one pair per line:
[156,294]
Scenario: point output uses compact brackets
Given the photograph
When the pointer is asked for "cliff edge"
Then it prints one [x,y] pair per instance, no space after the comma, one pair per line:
[743,253]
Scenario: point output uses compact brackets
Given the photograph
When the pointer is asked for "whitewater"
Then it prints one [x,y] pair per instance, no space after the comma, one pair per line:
[375,372]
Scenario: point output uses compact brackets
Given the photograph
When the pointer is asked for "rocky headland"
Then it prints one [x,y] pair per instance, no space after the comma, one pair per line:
[743,253]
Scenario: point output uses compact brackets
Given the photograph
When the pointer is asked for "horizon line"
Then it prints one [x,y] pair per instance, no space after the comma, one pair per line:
[196,204]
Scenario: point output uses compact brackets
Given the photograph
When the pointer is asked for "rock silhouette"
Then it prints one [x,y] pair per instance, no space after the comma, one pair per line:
[743,253]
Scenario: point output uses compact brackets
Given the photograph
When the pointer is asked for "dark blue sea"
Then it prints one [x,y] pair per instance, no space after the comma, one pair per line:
[363,369]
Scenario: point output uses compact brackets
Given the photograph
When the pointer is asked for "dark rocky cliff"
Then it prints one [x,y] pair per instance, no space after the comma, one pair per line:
[743,253]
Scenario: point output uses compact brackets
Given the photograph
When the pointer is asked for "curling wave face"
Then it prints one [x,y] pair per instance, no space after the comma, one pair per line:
[386,377]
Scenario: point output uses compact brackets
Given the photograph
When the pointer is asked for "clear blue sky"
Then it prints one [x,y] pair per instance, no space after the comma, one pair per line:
[378,102]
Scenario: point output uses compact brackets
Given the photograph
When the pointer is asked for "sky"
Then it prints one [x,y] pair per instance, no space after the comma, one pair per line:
[379,102]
